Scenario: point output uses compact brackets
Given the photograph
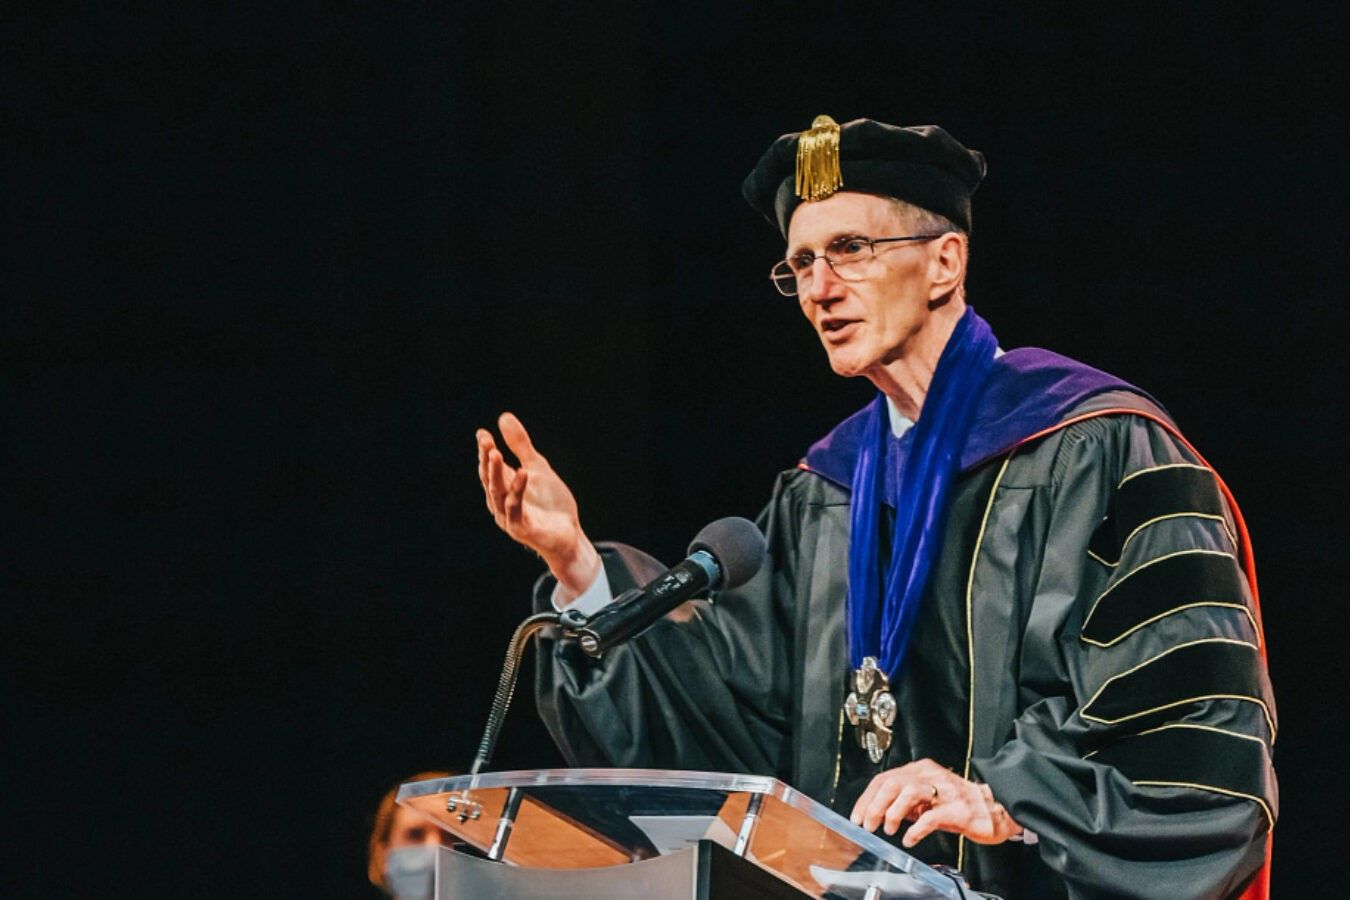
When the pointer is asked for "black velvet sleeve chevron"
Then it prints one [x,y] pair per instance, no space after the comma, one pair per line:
[1186,755]
[1160,688]
[1169,584]
[1151,496]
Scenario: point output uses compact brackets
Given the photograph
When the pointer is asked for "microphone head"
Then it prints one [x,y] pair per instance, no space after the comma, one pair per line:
[736,544]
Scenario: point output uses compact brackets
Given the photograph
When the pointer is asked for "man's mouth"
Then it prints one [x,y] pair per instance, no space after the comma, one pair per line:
[837,329]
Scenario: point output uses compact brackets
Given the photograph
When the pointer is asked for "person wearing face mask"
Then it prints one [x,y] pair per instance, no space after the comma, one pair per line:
[402,857]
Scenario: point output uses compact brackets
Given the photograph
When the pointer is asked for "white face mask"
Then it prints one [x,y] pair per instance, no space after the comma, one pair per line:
[410,872]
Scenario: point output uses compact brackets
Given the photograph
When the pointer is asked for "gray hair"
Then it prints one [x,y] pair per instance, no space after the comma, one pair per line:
[923,220]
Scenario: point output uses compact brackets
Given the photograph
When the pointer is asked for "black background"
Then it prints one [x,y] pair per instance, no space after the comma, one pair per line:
[267,270]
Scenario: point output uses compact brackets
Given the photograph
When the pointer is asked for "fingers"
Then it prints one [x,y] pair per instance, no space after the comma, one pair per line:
[513,505]
[912,799]
[485,444]
[875,811]
[887,783]
[889,799]
[516,438]
[953,815]
[936,799]
[499,474]
[963,813]
[971,811]
[865,801]
[922,772]
[503,486]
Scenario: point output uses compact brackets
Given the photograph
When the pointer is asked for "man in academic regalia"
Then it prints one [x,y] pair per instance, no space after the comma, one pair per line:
[1006,602]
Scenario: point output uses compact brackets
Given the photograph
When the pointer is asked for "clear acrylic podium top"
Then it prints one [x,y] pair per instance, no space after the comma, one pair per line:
[587,818]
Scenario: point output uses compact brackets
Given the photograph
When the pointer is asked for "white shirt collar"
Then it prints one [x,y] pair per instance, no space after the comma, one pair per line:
[899,423]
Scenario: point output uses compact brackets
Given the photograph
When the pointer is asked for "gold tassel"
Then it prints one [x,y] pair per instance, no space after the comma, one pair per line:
[818,174]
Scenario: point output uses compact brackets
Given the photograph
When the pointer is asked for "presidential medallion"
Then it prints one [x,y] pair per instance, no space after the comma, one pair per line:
[870,708]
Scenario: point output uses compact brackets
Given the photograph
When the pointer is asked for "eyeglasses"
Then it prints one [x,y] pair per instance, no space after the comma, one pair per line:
[847,256]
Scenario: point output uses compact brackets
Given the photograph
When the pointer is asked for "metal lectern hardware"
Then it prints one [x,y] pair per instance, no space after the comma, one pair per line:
[747,829]
[463,807]
[571,620]
[504,825]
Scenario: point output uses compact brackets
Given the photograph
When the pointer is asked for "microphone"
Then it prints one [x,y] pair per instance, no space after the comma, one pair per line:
[725,554]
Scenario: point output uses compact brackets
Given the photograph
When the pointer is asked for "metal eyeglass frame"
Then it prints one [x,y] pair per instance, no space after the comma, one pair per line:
[784,277]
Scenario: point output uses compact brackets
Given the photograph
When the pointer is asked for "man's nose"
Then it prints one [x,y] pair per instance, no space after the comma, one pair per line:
[826,286]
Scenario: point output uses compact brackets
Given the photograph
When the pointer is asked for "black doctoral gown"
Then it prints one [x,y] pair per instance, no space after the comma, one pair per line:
[1088,646]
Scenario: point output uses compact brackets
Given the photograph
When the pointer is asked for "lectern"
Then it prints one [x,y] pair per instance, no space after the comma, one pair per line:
[656,834]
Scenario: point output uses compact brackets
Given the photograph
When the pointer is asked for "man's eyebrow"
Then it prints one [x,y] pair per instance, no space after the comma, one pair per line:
[850,233]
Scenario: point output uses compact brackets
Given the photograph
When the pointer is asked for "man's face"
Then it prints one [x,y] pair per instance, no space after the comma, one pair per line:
[864,323]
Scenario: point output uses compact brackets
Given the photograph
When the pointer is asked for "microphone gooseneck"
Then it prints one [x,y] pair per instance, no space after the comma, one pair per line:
[506,685]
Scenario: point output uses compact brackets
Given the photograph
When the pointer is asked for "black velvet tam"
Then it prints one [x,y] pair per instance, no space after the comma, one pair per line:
[922,165]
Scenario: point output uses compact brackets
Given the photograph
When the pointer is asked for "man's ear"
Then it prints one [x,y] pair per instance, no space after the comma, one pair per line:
[947,264]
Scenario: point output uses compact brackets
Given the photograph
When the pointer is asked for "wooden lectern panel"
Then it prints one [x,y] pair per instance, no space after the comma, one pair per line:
[541,838]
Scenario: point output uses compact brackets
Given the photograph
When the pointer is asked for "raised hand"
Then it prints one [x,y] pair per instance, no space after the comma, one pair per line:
[535,507]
